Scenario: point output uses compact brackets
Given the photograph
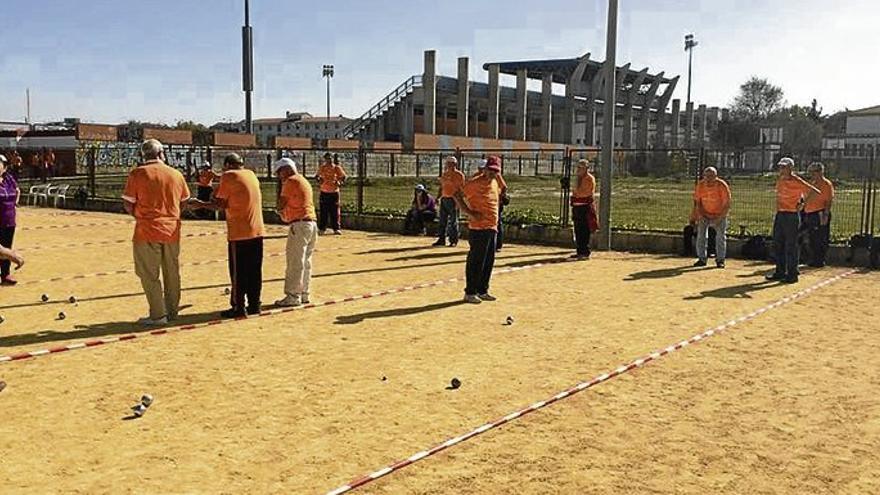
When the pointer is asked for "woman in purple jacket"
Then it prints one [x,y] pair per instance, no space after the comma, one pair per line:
[9,194]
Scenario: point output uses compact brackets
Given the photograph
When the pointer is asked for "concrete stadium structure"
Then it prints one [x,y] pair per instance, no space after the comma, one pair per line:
[430,104]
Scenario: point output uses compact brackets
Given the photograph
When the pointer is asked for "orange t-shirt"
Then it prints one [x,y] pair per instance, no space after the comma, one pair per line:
[482,194]
[789,193]
[244,204]
[300,204]
[713,196]
[586,187]
[156,190]
[450,182]
[330,176]
[206,177]
[821,201]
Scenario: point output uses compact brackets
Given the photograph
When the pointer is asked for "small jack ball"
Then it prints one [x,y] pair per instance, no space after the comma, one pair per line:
[227,291]
[510,320]
[44,298]
[72,299]
[455,383]
[61,315]
[384,378]
[2,319]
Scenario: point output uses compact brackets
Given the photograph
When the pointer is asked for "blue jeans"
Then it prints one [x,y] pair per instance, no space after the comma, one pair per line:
[480,261]
[786,226]
[448,221]
[720,226]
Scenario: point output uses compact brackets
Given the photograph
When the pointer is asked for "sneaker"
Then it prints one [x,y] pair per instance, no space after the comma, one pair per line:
[337,232]
[304,297]
[232,313]
[719,264]
[775,276]
[487,297]
[255,310]
[150,322]
[472,299]
[8,280]
[439,243]
[288,301]
[700,263]
[793,279]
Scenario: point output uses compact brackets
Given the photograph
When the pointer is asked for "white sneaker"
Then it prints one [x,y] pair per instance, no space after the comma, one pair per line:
[472,299]
[288,301]
[304,297]
[147,321]
[487,297]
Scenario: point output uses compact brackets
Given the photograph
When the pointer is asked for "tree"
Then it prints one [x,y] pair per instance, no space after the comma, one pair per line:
[758,99]
[802,134]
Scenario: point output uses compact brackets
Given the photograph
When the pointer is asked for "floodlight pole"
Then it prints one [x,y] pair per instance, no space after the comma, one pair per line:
[247,67]
[689,44]
[327,73]
[608,128]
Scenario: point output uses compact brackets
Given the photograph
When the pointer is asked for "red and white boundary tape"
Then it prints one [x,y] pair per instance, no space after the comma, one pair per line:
[270,312]
[72,225]
[580,387]
[107,243]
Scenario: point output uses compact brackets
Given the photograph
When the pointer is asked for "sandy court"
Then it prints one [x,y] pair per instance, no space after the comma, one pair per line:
[296,403]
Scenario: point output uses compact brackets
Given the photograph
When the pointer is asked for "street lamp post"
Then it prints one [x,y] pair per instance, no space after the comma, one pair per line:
[328,74]
[689,44]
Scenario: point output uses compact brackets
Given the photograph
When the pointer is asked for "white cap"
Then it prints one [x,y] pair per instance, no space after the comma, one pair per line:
[3,158]
[284,162]
[785,162]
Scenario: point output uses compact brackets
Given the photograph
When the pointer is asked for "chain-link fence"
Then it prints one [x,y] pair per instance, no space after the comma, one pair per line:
[652,189]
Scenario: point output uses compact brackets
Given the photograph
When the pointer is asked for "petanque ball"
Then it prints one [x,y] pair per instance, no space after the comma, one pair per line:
[2,319]
[61,315]
[44,298]
[384,378]
[147,400]
[139,410]
[455,383]
[509,320]
[72,299]
[227,291]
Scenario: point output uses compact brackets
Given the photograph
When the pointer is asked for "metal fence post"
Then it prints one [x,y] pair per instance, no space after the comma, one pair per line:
[361,169]
[418,165]
[520,165]
[391,166]
[537,158]
[92,161]
[552,162]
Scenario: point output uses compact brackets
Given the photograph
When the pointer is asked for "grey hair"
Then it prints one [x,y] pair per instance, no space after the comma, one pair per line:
[710,169]
[785,162]
[151,149]
[817,166]
[452,159]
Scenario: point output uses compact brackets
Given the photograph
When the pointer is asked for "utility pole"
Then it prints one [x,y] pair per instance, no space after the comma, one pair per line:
[608,128]
[247,66]
[27,94]
[328,74]
[689,44]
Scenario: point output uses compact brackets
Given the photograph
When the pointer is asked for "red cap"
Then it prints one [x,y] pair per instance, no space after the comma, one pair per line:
[493,163]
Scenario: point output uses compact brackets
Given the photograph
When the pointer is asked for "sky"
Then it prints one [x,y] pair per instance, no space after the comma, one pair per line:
[109,61]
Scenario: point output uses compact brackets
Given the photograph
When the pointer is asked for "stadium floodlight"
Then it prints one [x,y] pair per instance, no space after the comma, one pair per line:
[328,74]
[689,44]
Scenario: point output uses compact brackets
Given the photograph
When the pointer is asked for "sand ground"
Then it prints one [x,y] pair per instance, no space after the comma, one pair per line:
[295,403]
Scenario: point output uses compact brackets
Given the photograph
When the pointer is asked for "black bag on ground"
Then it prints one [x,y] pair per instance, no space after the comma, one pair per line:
[755,248]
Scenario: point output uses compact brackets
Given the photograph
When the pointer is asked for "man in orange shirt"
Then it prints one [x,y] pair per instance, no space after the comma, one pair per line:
[817,215]
[205,186]
[583,210]
[330,176]
[239,195]
[297,209]
[451,181]
[479,199]
[791,193]
[711,206]
[154,194]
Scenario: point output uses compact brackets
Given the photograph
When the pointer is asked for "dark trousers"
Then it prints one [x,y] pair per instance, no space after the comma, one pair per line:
[416,220]
[246,273]
[785,242]
[448,221]
[7,234]
[204,193]
[499,238]
[581,229]
[819,237]
[329,211]
[480,261]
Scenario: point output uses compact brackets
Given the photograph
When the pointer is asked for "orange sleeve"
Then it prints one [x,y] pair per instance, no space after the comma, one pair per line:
[222,191]
[340,173]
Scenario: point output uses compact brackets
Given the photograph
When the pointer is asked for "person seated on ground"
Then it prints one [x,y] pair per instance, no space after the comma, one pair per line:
[423,210]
